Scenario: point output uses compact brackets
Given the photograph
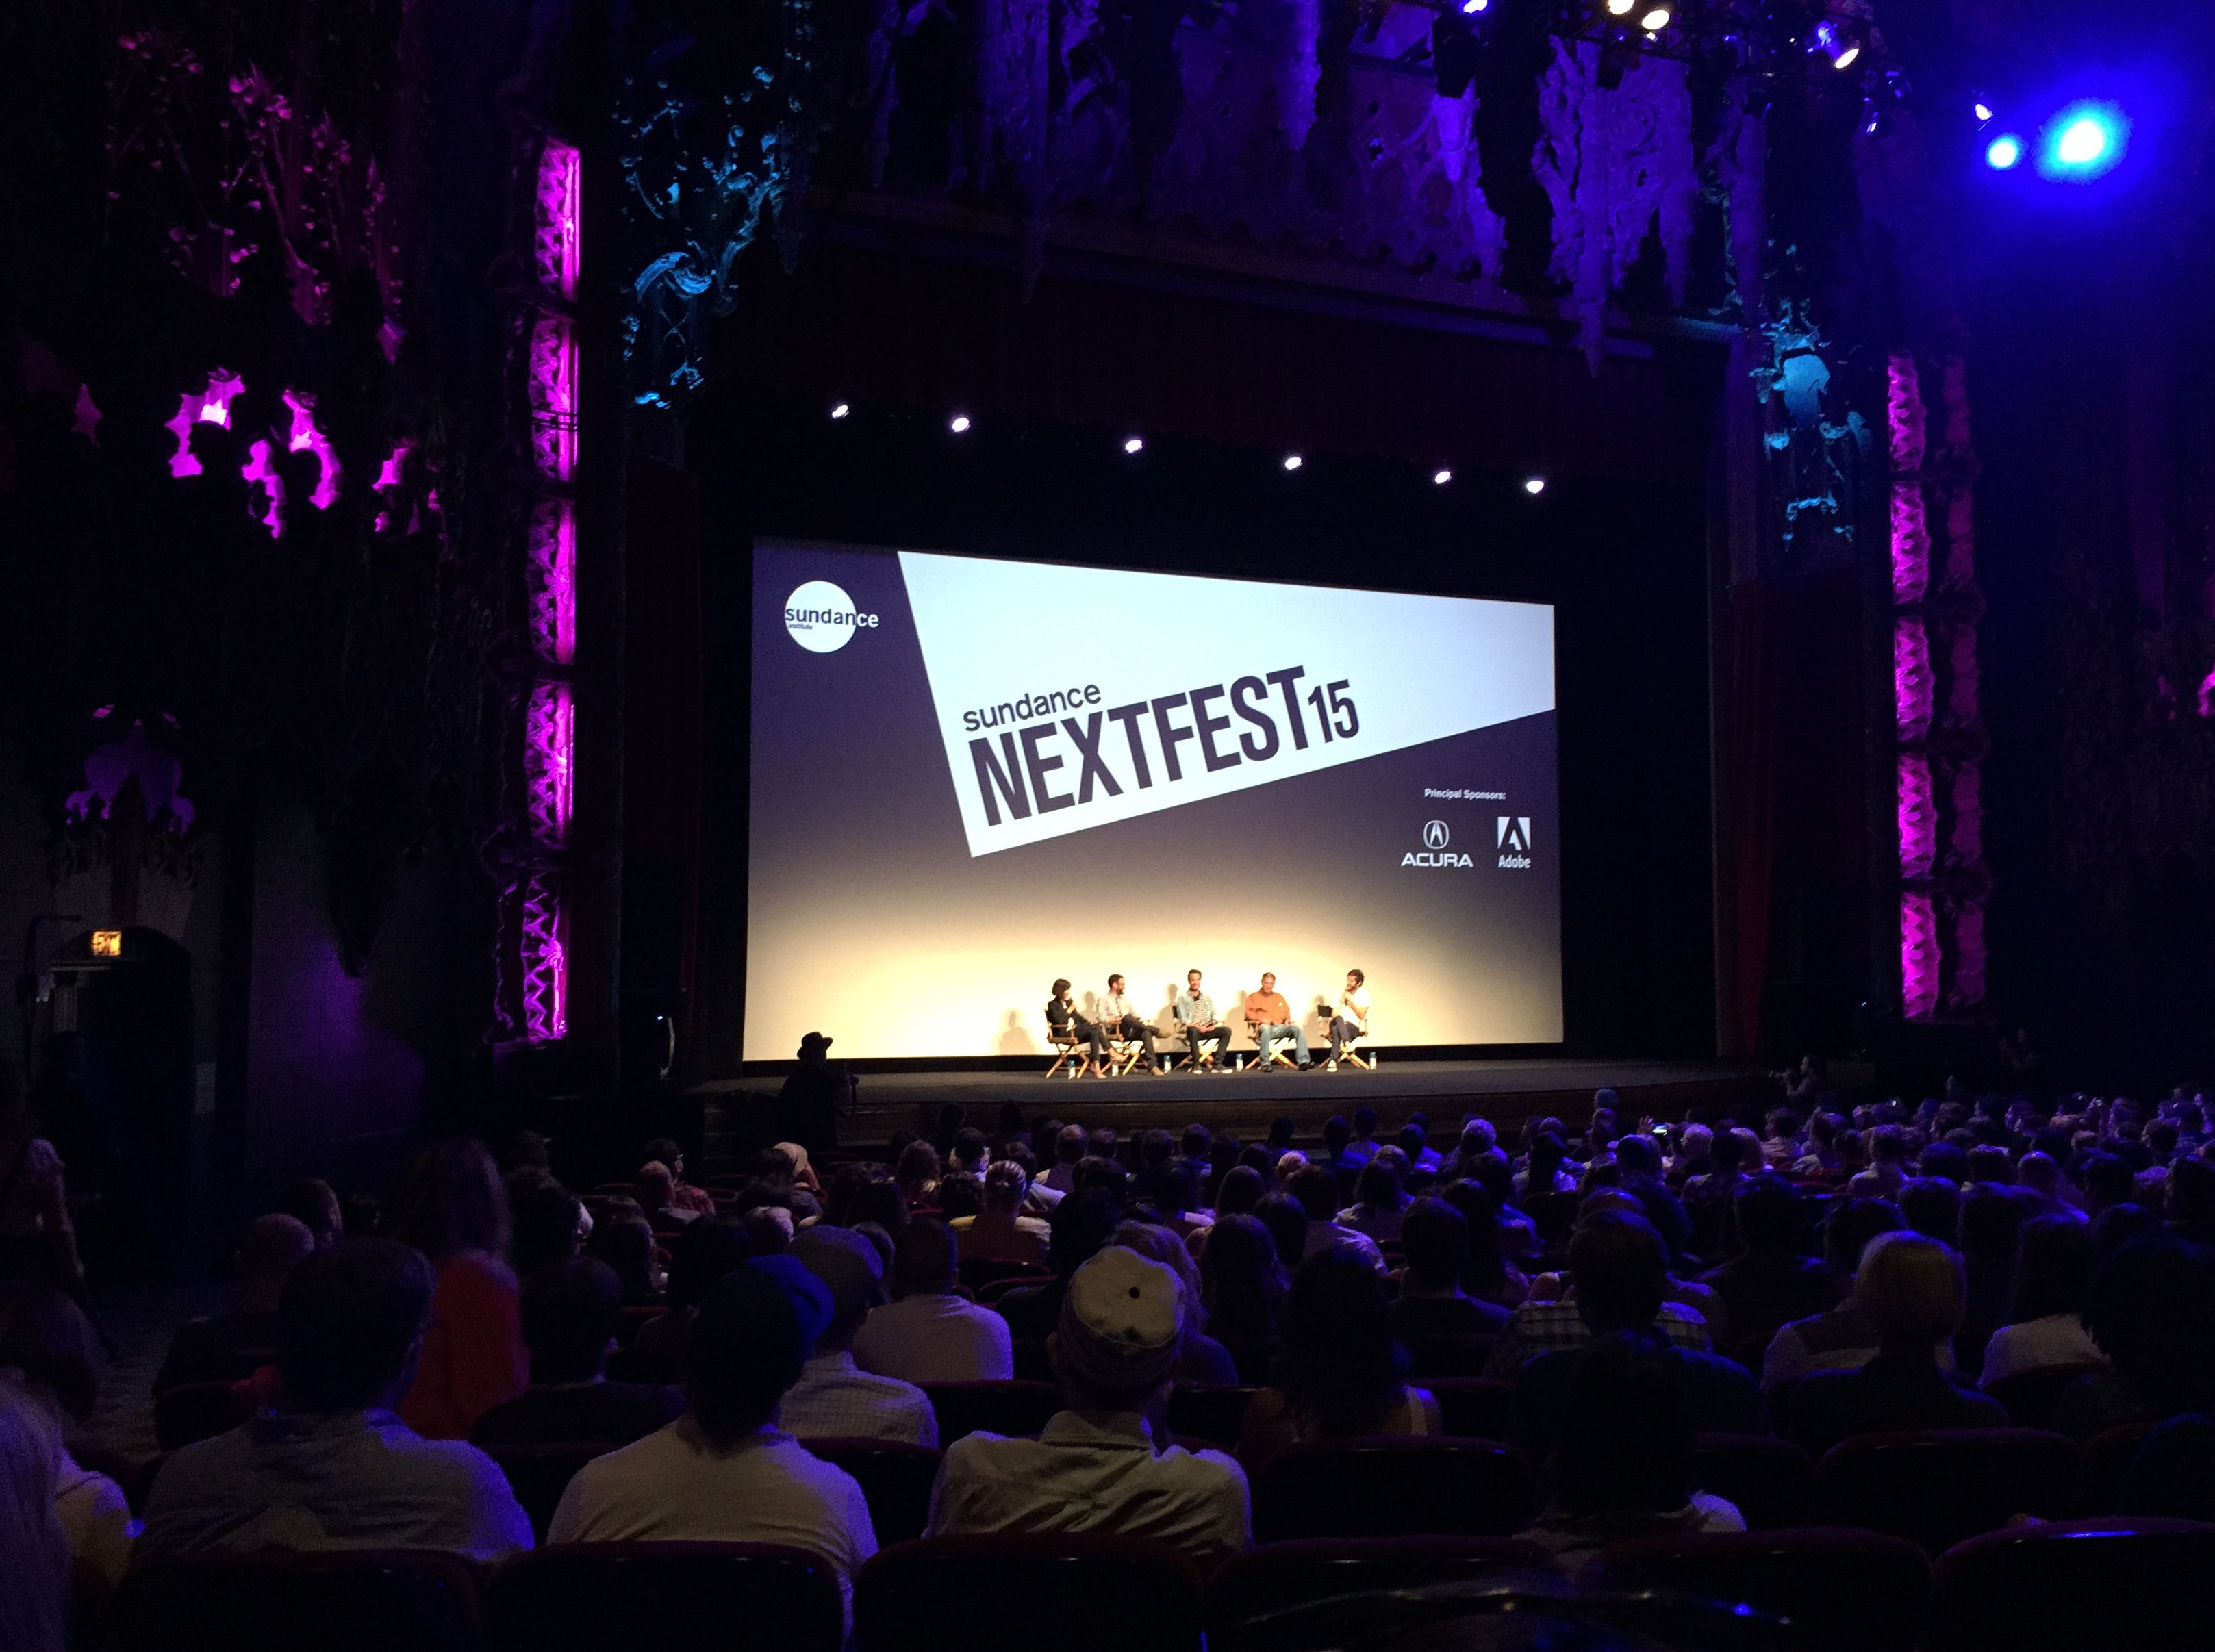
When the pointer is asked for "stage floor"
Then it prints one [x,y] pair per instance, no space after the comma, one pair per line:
[1505,1091]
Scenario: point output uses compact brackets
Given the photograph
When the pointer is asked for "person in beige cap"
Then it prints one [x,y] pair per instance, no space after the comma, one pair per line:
[1096,1467]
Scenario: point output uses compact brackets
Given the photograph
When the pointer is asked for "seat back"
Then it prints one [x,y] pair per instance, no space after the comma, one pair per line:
[589,1597]
[342,1601]
[539,1474]
[1473,1407]
[1000,1408]
[1451,1356]
[1388,1486]
[2031,1395]
[1076,1592]
[1214,1415]
[978,1274]
[1934,1487]
[896,1478]
[1254,1357]
[2101,1464]
[1848,1591]
[2135,1583]
[1769,1480]
[194,1411]
[1253,1587]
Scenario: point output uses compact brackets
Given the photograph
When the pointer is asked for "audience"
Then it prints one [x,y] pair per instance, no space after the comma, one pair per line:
[655,1189]
[2055,1260]
[1614,1247]
[2151,1311]
[550,1223]
[927,1334]
[835,1398]
[1379,1200]
[1433,1306]
[707,1252]
[37,1238]
[1204,1360]
[572,1312]
[623,1238]
[1241,1280]
[48,1348]
[1080,1225]
[335,1468]
[1340,1372]
[312,1202]
[1102,1464]
[725,1472]
[999,1232]
[1317,1191]
[452,1208]
[231,1347]
[1841,1337]
[683,1196]
[34,1554]
[1770,1283]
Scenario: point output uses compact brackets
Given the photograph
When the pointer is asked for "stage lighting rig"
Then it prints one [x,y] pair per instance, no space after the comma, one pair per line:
[1841,41]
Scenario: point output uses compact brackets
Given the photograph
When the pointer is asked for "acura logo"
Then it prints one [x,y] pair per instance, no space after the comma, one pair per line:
[1435,835]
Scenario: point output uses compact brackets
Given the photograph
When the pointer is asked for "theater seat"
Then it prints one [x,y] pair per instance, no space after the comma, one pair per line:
[896,1478]
[1936,1487]
[1279,1577]
[539,1474]
[2141,1584]
[1473,1407]
[1000,1408]
[2102,1463]
[345,1600]
[1390,1486]
[1024,1591]
[1769,1480]
[598,1597]
[1214,1415]
[1847,1591]
[1450,1356]
[2031,1395]
[1255,1358]
[195,1411]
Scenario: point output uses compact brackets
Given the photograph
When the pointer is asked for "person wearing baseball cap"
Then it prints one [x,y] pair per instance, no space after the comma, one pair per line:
[1096,1467]
[726,1472]
[835,1398]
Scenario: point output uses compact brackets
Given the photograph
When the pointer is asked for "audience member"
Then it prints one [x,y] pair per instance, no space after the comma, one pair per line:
[1489,1277]
[683,1195]
[1102,1464]
[707,1253]
[835,1398]
[999,1232]
[623,1238]
[2151,1311]
[1433,1307]
[231,1347]
[1623,1468]
[334,1468]
[1769,1283]
[1317,1191]
[311,1202]
[725,1472]
[1339,1374]
[452,1208]
[37,1240]
[572,1312]
[1910,1290]
[34,1553]
[1242,1280]
[50,1349]
[916,1174]
[1841,1337]
[1610,1252]
[928,1334]
[654,1188]
[550,1226]
[2054,1264]
[1204,1360]
[1080,1225]
[1378,1199]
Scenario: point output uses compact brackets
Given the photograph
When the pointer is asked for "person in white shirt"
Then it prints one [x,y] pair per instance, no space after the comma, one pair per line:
[1119,1019]
[928,1335]
[726,1472]
[835,1398]
[1352,1020]
[2054,1260]
[1096,1467]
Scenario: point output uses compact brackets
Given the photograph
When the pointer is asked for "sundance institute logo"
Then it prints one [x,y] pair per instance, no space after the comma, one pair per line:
[821,617]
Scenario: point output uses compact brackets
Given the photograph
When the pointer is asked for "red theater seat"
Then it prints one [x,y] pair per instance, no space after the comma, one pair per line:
[1769,1480]
[1936,1487]
[2102,1462]
[1847,1591]
[1025,1592]
[2031,1395]
[538,1474]
[345,1600]
[1000,1408]
[1214,1415]
[598,1597]
[2079,1584]
[1391,1486]
[896,1480]
[1251,1588]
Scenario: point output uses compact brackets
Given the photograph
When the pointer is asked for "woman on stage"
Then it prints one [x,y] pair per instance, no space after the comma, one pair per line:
[1061,1017]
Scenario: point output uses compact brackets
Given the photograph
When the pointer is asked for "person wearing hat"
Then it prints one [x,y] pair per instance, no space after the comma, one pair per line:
[726,1472]
[815,1094]
[835,1398]
[1095,1467]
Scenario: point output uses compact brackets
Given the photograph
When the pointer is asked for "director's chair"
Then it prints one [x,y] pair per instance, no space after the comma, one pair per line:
[1278,1058]
[1073,1051]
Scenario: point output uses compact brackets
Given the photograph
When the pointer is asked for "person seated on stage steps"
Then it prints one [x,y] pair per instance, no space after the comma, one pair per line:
[1269,1018]
[1061,1017]
[1119,1019]
[1195,1019]
[1352,1020]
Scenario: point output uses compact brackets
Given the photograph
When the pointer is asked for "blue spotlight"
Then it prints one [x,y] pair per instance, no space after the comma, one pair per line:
[2083,141]
[2003,153]
[1984,110]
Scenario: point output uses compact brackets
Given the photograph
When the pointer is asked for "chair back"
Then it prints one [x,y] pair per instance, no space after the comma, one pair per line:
[1473,1407]
[1248,1598]
[1000,1408]
[978,1275]
[338,1600]
[1451,1356]
[2101,1464]
[1936,1486]
[1254,1357]
[1076,1592]
[1769,1480]
[1847,1591]
[895,1477]
[590,1597]
[635,1318]
[1208,1414]
[195,1411]
[2031,1396]
[1390,1486]
[1553,1214]
[2135,1583]
[539,1474]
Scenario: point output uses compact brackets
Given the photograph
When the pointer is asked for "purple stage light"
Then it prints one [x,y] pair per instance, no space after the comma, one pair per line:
[209,406]
[559,247]
[307,438]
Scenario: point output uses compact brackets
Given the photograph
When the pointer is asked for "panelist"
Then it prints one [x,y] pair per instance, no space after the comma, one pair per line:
[1195,1019]
[1352,1019]
[1061,1017]
[1268,1018]
[1119,1020]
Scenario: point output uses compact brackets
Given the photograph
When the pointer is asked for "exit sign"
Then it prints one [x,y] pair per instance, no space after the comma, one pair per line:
[107,943]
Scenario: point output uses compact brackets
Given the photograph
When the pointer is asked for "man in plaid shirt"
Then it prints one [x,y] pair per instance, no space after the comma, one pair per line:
[835,1398]
[1539,1327]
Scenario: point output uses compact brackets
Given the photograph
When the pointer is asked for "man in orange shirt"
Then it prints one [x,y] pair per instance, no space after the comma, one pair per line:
[1269,1017]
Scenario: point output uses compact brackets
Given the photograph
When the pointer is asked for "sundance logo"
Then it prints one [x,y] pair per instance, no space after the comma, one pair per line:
[1434,852]
[821,617]
[1514,843]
